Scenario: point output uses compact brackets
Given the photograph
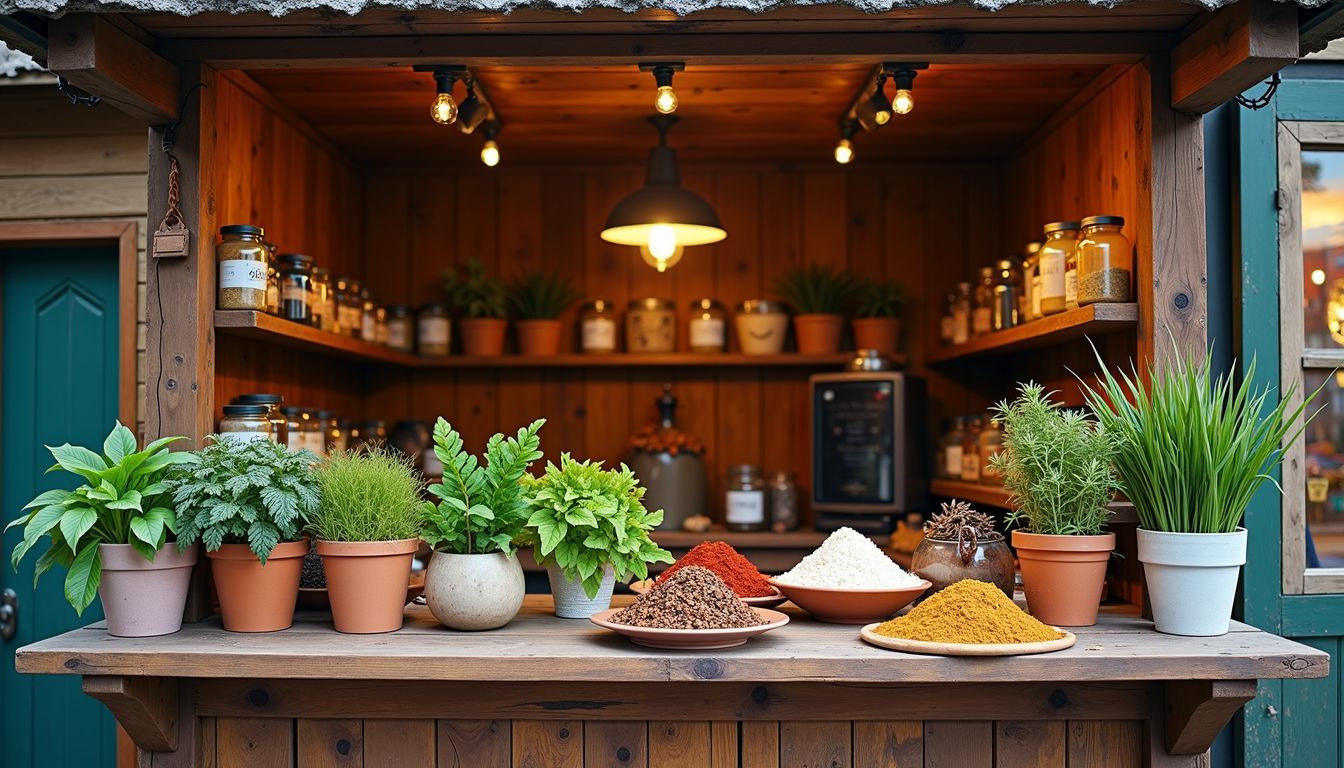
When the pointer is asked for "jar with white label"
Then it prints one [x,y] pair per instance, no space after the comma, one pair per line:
[243,261]
[296,287]
[400,328]
[597,327]
[745,499]
[297,440]
[245,423]
[433,330]
[1061,238]
[708,328]
[274,405]
[651,326]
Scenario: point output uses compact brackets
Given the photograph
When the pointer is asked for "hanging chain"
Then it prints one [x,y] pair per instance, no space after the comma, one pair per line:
[173,218]
[172,238]
[76,99]
[1262,101]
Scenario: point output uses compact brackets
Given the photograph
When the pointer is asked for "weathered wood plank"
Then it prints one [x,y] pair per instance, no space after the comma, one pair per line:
[890,743]
[959,744]
[1241,45]
[53,197]
[615,744]
[1108,744]
[1028,744]
[399,742]
[244,742]
[676,743]
[760,744]
[475,742]
[99,58]
[547,744]
[724,736]
[330,743]
[147,707]
[816,744]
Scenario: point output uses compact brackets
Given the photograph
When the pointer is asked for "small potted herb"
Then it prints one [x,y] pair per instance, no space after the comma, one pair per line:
[111,534]
[820,294]
[1057,466]
[589,527]
[475,580]
[368,529]
[538,298]
[877,322]
[248,501]
[961,543]
[479,302]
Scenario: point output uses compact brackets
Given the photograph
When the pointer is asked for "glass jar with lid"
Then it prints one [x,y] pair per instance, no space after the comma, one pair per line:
[245,423]
[433,330]
[1061,239]
[651,326]
[982,315]
[1003,311]
[761,325]
[314,432]
[597,327]
[744,498]
[950,466]
[243,260]
[354,309]
[272,286]
[297,439]
[380,325]
[970,452]
[274,412]
[945,323]
[333,437]
[368,318]
[961,314]
[296,287]
[785,502]
[400,328]
[344,304]
[990,445]
[324,299]
[708,327]
[1105,261]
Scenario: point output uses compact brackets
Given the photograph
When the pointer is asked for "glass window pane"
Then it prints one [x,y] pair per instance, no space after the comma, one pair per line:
[1325,472]
[1323,246]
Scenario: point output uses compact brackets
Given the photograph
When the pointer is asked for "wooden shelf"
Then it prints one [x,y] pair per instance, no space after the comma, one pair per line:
[1092,320]
[286,333]
[995,496]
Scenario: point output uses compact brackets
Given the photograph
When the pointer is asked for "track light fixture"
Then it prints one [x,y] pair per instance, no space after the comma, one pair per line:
[844,149]
[490,149]
[881,105]
[472,111]
[870,109]
[665,100]
[904,75]
[443,110]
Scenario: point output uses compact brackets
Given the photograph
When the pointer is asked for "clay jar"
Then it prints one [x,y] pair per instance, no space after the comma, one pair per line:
[1063,576]
[483,336]
[538,338]
[880,333]
[473,592]
[143,598]
[255,597]
[818,334]
[366,583]
[939,562]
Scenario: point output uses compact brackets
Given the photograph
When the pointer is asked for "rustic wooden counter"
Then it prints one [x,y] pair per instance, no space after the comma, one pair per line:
[552,692]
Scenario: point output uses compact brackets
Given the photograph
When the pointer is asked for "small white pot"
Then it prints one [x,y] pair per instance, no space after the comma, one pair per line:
[571,602]
[1192,579]
[474,591]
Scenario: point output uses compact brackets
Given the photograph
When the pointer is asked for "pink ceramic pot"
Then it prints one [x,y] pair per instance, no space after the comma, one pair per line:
[143,598]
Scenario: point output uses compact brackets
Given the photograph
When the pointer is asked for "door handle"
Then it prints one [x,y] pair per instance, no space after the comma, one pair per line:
[9,614]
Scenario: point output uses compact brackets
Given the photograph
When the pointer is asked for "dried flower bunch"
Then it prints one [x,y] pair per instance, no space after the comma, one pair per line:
[962,523]
[653,438]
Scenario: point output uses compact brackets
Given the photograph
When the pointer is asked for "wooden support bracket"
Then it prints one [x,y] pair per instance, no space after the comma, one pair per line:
[146,707]
[1241,45]
[98,58]
[1198,709]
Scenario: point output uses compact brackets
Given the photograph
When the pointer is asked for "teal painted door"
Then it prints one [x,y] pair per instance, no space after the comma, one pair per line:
[58,383]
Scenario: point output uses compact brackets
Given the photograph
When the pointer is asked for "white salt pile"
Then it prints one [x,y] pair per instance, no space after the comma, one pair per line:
[849,560]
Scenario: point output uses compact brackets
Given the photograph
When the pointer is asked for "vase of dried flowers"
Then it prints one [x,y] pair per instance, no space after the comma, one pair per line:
[961,543]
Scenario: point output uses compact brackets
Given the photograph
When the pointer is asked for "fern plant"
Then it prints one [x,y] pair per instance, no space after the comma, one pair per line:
[252,492]
[481,507]
[818,289]
[475,294]
[881,298]
[541,296]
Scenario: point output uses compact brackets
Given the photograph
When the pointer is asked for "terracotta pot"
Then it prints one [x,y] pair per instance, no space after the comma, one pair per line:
[1063,576]
[539,338]
[143,598]
[818,334]
[255,597]
[473,592]
[880,333]
[366,582]
[483,336]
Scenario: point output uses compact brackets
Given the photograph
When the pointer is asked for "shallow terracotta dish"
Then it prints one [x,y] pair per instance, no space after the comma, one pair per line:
[767,601]
[967,649]
[850,606]
[690,639]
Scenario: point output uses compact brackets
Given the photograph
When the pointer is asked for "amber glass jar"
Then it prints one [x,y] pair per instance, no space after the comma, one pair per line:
[597,327]
[970,452]
[708,326]
[243,262]
[651,326]
[1105,261]
[991,445]
[1061,238]
[346,295]
[274,411]
[296,287]
[433,330]
[368,318]
[982,316]
[400,328]
[324,299]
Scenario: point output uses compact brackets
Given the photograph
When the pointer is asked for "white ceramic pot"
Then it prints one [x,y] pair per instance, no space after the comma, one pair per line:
[761,333]
[474,591]
[1192,579]
[571,602]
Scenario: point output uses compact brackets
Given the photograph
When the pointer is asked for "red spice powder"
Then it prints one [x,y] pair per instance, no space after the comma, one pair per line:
[735,570]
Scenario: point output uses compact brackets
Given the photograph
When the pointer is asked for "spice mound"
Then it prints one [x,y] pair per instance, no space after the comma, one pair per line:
[849,560]
[691,598]
[968,612]
[729,564]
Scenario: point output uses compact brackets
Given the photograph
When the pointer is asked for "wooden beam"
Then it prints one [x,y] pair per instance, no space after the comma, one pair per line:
[98,58]
[1233,50]
[1198,709]
[147,707]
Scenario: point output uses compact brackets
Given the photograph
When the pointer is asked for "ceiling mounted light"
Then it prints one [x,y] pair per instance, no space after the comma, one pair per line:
[844,149]
[663,217]
[444,109]
[490,149]
[881,106]
[904,76]
[665,100]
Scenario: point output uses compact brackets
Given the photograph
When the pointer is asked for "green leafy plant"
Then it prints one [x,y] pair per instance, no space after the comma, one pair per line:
[475,294]
[1193,449]
[881,298]
[1056,463]
[584,518]
[818,289]
[255,492]
[541,296]
[481,507]
[123,500]
[373,495]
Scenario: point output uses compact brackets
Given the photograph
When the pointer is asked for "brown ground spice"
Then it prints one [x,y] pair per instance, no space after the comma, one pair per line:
[692,598]
[969,611]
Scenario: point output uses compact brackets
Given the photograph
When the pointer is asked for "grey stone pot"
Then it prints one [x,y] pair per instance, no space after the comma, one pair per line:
[571,602]
[474,592]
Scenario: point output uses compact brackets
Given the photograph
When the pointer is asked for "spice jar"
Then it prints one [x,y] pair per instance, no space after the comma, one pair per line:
[274,412]
[347,306]
[297,438]
[651,326]
[745,508]
[243,260]
[1003,314]
[433,330]
[334,438]
[597,327]
[945,323]
[372,433]
[1061,239]
[990,445]
[380,325]
[314,432]
[785,512]
[245,423]
[961,315]
[324,299]
[400,328]
[970,452]
[761,326]
[1105,262]
[296,287]
[708,328]
[949,468]
[368,318]
[982,314]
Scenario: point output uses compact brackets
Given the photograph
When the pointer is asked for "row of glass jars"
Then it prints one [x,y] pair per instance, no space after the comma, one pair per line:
[266,417]
[966,448]
[651,326]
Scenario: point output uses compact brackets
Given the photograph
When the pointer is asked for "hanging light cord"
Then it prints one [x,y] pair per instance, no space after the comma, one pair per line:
[1262,101]
[88,100]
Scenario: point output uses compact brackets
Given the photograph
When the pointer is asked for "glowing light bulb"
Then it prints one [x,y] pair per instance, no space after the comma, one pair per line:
[662,251]
[490,153]
[882,116]
[1318,277]
[666,100]
[904,102]
[844,151]
[444,109]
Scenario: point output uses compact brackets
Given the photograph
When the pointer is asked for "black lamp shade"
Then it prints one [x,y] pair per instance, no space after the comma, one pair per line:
[663,201]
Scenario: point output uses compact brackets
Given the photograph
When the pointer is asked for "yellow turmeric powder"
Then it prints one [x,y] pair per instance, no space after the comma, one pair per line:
[969,611]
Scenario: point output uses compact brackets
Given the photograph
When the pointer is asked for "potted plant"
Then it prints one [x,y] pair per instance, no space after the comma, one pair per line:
[475,580]
[538,299]
[961,543]
[1192,451]
[820,294]
[111,534]
[1056,464]
[368,529]
[479,301]
[248,502]
[590,528]
[877,322]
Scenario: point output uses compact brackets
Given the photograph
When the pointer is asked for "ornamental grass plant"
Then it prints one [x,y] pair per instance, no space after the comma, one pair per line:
[370,496]
[818,289]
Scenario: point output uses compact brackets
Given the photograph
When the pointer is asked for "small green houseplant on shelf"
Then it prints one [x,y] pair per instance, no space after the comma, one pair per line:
[1193,450]
[590,528]
[1057,465]
[538,299]
[877,321]
[368,529]
[821,295]
[480,303]
[475,580]
[111,534]
[248,501]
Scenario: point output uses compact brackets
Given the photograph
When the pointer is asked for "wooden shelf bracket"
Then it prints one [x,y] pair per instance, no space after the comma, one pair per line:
[1198,709]
[147,707]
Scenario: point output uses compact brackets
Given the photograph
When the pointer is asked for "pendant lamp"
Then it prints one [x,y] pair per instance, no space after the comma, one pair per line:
[663,217]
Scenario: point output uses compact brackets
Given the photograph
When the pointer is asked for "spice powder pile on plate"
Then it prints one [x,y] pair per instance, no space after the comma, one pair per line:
[969,611]
[849,560]
[691,598]
[736,571]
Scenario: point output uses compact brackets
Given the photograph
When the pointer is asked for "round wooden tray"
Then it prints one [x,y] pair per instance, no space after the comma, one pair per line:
[766,601]
[690,639]
[967,649]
